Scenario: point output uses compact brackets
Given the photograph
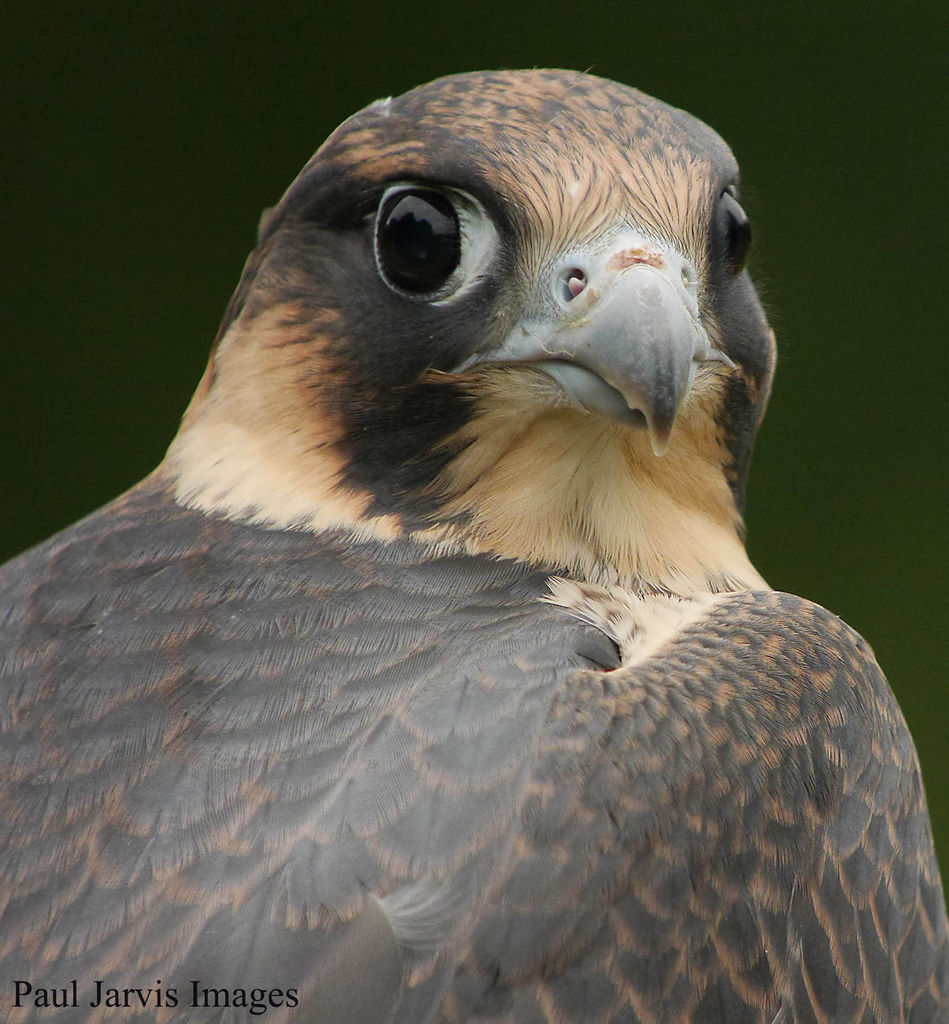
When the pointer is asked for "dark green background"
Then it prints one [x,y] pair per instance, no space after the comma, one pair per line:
[141,142]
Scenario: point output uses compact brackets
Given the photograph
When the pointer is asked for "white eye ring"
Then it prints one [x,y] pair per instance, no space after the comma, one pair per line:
[478,242]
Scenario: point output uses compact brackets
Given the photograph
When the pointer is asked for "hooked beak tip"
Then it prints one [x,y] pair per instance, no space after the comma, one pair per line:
[659,430]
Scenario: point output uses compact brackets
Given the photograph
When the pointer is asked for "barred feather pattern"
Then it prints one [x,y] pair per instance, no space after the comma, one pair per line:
[399,783]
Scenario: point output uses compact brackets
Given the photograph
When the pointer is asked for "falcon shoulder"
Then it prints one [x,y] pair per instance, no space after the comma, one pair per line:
[755,802]
[260,757]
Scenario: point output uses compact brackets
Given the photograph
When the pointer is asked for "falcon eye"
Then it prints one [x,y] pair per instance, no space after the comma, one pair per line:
[418,240]
[733,231]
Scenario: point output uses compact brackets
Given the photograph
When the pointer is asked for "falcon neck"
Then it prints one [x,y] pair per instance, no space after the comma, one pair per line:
[552,487]
[580,492]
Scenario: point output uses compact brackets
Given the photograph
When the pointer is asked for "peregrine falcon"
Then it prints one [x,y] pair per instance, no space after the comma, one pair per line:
[427,678]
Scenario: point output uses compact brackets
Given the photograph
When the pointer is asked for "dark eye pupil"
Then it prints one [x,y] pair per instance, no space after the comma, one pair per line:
[735,231]
[418,239]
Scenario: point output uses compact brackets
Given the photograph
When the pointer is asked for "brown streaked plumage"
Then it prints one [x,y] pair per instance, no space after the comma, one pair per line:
[414,685]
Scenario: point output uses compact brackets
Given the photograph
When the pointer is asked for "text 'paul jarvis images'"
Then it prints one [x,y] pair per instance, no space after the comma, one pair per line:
[256,1001]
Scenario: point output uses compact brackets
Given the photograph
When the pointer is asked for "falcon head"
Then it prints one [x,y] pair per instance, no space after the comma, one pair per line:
[507,311]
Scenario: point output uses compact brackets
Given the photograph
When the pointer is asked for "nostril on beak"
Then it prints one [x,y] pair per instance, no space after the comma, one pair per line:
[574,281]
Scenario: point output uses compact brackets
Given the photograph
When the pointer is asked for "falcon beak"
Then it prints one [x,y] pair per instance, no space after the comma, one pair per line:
[622,337]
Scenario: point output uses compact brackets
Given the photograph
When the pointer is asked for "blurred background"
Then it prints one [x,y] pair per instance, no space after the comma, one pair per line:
[142,140]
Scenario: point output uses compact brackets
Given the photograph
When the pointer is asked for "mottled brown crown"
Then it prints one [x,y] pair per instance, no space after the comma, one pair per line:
[530,134]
